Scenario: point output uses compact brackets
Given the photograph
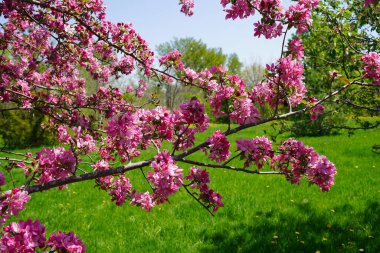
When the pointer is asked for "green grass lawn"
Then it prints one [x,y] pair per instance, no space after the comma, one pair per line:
[262,213]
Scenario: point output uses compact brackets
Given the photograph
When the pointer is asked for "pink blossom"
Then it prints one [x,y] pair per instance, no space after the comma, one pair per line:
[187,7]
[124,135]
[120,189]
[316,109]
[199,180]
[25,236]
[55,163]
[198,177]
[244,112]
[322,173]
[14,201]
[299,15]
[145,200]
[166,178]
[66,242]
[297,160]
[173,58]
[219,147]
[372,67]
[222,94]
[143,85]
[193,112]
[296,49]
[258,150]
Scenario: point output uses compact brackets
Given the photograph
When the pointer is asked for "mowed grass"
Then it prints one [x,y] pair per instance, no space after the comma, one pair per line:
[262,213]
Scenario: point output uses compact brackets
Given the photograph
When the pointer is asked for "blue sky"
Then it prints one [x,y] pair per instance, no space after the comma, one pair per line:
[161,21]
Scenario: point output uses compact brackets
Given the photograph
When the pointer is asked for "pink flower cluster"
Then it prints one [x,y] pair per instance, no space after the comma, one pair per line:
[297,160]
[193,112]
[28,236]
[145,200]
[285,83]
[11,203]
[25,236]
[295,48]
[230,98]
[219,147]
[372,67]
[316,109]
[143,86]
[124,135]
[258,150]
[172,59]
[166,178]
[240,9]
[54,164]
[299,15]
[273,17]
[189,120]
[156,124]
[119,189]
[187,7]
[199,179]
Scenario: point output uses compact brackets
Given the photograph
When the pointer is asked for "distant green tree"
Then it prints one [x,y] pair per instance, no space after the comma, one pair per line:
[19,129]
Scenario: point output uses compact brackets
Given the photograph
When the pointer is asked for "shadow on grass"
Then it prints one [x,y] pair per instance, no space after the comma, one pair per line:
[306,230]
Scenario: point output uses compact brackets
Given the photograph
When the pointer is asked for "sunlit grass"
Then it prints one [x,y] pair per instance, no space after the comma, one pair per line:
[261,213]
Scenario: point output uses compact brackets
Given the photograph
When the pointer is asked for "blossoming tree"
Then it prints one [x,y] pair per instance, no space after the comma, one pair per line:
[44,42]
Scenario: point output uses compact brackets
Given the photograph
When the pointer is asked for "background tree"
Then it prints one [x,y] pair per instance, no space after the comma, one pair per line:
[341,32]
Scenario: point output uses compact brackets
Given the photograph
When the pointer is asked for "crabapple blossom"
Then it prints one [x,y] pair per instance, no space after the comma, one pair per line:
[258,150]
[372,67]
[12,202]
[219,147]
[304,162]
[296,49]
[55,163]
[199,179]
[25,236]
[187,7]
[166,178]
[145,200]
[69,242]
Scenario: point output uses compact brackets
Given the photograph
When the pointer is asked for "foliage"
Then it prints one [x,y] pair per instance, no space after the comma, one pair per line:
[341,31]
[103,136]
[20,129]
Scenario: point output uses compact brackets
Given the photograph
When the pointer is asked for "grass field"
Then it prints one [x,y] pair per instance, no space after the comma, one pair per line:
[262,213]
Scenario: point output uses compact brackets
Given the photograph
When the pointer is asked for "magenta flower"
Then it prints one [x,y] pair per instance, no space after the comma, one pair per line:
[25,236]
[166,178]
[14,201]
[219,147]
[259,150]
[199,180]
[372,67]
[63,242]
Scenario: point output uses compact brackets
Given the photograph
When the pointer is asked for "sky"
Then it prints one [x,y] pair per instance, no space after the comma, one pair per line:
[161,21]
